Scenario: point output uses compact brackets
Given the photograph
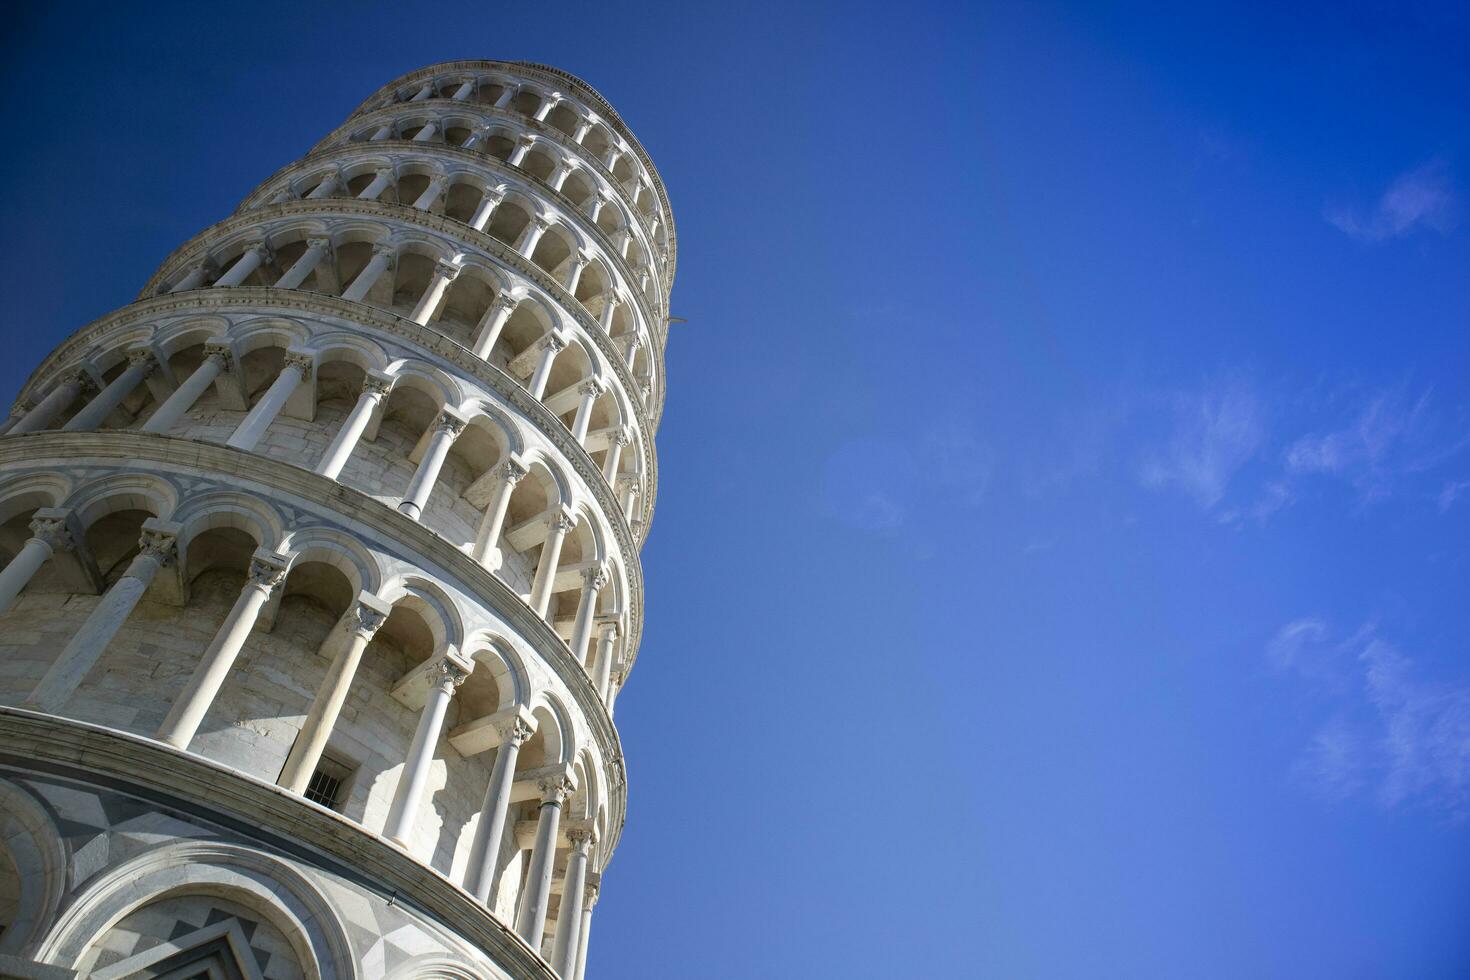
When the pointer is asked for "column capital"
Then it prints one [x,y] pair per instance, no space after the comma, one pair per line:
[367,614]
[504,301]
[160,544]
[562,521]
[377,385]
[596,577]
[142,355]
[512,471]
[527,140]
[554,342]
[634,342]
[55,531]
[221,353]
[387,172]
[446,270]
[260,246]
[540,223]
[299,360]
[592,387]
[624,437]
[555,789]
[384,250]
[449,674]
[592,891]
[520,732]
[608,630]
[324,244]
[582,837]
[628,484]
[451,424]
[268,570]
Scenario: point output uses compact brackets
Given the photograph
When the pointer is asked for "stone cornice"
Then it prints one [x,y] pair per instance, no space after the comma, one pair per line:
[458,232]
[256,200]
[315,493]
[382,113]
[255,298]
[547,73]
[258,810]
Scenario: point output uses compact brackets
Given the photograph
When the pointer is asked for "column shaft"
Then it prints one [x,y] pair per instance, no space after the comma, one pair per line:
[485,849]
[57,400]
[531,921]
[446,430]
[404,809]
[95,412]
[186,394]
[569,913]
[316,250]
[253,426]
[22,568]
[343,444]
[546,565]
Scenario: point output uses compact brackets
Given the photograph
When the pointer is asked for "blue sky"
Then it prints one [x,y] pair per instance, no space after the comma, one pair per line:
[1059,564]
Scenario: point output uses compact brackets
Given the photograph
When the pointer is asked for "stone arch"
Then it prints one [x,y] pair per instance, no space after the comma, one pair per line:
[498,663]
[431,603]
[338,549]
[436,966]
[250,877]
[123,491]
[33,845]
[229,509]
[23,494]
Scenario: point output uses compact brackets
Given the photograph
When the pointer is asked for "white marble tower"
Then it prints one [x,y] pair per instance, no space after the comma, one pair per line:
[321,565]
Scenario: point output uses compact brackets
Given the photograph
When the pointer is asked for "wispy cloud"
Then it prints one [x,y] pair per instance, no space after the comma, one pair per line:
[877,483]
[1213,433]
[1424,197]
[1403,739]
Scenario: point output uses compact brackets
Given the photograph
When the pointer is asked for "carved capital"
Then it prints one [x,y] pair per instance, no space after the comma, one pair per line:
[512,472]
[53,532]
[520,733]
[624,438]
[383,250]
[581,838]
[320,244]
[446,271]
[161,546]
[220,354]
[505,301]
[142,355]
[449,675]
[562,523]
[298,361]
[451,424]
[376,386]
[596,577]
[553,343]
[592,387]
[266,574]
[555,790]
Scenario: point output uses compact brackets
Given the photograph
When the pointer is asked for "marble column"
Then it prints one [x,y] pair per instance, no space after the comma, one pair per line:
[267,572]
[487,541]
[551,345]
[425,201]
[531,921]
[444,274]
[531,237]
[95,412]
[575,269]
[158,548]
[556,532]
[588,904]
[295,369]
[569,913]
[425,90]
[383,256]
[57,400]
[381,181]
[629,487]
[446,429]
[402,813]
[367,614]
[522,147]
[609,307]
[250,260]
[614,459]
[375,388]
[48,536]
[326,187]
[493,322]
[216,362]
[594,580]
[485,849]
[463,92]
[429,130]
[607,638]
[590,390]
[195,278]
[485,210]
[316,250]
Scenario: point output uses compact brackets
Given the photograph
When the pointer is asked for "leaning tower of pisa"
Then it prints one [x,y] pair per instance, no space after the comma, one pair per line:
[321,560]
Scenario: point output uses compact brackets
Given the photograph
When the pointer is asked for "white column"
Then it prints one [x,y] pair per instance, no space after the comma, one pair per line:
[531,237]
[367,615]
[426,90]
[382,180]
[463,92]
[593,581]
[614,459]
[295,369]
[609,307]
[446,429]
[583,128]
[531,922]
[216,362]
[629,487]
[326,187]
[523,146]
[48,536]
[611,160]
[485,849]
[596,204]
[493,322]
[544,109]
[381,133]
[316,250]
[487,541]
[374,390]
[193,702]
[383,256]
[504,99]
[448,676]
[569,912]
[551,345]
[634,342]
[444,273]
[559,176]
[57,400]
[95,412]
[556,532]
[607,638]
[485,210]
[249,260]
[158,548]
[586,931]
[197,274]
[575,268]
[590,390]
[428,132]
[476,138]
[431,193]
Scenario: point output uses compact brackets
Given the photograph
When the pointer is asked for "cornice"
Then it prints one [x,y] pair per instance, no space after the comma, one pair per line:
[460,233]
[343,132]
[318,494]
[254,299]
[257,198]
[537,71]
[258,810]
